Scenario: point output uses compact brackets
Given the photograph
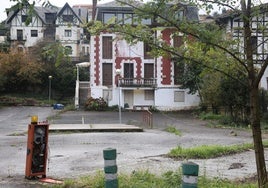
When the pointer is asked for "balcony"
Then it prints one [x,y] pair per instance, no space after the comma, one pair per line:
[137,82]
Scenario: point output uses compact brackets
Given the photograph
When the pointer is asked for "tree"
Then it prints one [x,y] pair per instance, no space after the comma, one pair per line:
[56,63]
[18,72]
[241,60]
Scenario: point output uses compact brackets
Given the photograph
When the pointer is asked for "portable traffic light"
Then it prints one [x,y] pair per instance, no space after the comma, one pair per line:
[37,147]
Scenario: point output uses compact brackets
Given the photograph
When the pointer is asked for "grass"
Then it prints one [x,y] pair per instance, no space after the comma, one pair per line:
[145,179]
[173,130]
[209,151]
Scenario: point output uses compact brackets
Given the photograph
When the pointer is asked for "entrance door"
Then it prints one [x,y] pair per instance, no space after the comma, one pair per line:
[107,74]
[128,98]
[128,70]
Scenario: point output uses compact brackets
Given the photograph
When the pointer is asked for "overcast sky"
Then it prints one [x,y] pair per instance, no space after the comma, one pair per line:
[60,3]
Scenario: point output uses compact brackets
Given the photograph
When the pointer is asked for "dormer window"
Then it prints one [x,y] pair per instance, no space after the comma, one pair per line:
[24,18]
[67,18]
[50,17]
[179,15]
[107,17]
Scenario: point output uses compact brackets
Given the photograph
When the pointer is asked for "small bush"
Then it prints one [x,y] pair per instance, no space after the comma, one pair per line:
[210,116]
[153,109]
[98,104]
[173,130]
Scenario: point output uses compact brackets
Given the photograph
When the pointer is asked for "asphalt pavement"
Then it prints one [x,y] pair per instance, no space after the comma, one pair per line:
[74,154]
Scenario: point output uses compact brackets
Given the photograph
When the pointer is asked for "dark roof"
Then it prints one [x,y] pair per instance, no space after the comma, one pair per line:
[42,11]
[191,12]
[231,14]
[84,11]
[68,6]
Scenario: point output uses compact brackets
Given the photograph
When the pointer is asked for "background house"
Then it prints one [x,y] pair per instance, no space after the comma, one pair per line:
[232,22]
[49,24]
[127,75]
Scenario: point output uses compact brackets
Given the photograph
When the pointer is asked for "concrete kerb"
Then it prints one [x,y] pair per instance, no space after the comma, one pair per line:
[94,128]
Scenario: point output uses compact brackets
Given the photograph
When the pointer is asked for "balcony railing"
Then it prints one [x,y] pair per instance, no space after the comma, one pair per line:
[137,82]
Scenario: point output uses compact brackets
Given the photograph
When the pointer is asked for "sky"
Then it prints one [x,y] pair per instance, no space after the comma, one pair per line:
[60,3]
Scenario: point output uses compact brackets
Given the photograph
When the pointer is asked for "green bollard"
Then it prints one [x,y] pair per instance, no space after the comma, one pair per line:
[110,168]
[189,175]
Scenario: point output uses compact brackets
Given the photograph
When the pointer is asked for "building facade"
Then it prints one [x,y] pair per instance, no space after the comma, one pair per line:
[233,23]
[126,75]
[63,25]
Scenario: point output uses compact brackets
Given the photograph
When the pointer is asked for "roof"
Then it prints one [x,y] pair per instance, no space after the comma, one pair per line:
[230,14]
[191,12]
[84,11]
[42,11]
[68,6]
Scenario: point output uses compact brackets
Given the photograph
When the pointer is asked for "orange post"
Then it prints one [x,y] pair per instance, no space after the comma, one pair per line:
[37,142]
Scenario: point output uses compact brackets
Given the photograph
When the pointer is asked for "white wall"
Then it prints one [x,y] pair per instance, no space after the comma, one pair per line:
[164,100]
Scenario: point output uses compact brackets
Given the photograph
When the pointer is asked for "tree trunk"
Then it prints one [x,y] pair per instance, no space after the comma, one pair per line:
[257,137]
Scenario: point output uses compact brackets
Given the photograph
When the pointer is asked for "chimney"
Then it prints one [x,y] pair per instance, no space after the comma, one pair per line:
[94,9]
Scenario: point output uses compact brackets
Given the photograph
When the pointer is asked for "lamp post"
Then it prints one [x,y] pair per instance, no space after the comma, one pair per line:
[118,73]
[49,88]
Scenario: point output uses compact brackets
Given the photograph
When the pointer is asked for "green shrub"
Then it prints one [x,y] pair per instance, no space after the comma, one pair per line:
[98,104]
[209,116]
[173,130]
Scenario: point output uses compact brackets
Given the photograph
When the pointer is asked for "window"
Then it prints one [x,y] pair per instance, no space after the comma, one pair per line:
[24,18]
[120,18]
[254,44]
[67,18]
[68,50]
[128,70]
[50,17]
[107,17]
[178,72]
[34,33]
[128,18]
[107,74]
[148,94]
[68,33]
[107,47]
[20,49]
[179,96]
[19,34]
[177,41]
[146,50]
[146,21]
[179,15]
[267,82]
[148,70]
[83,50]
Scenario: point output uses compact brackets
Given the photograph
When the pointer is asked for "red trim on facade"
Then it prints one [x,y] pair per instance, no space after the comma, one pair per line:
[166,61]
[118,65]
[97,60]
[138,66]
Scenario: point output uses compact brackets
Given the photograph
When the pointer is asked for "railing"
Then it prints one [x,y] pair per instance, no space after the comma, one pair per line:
[148,118]
[137,82]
